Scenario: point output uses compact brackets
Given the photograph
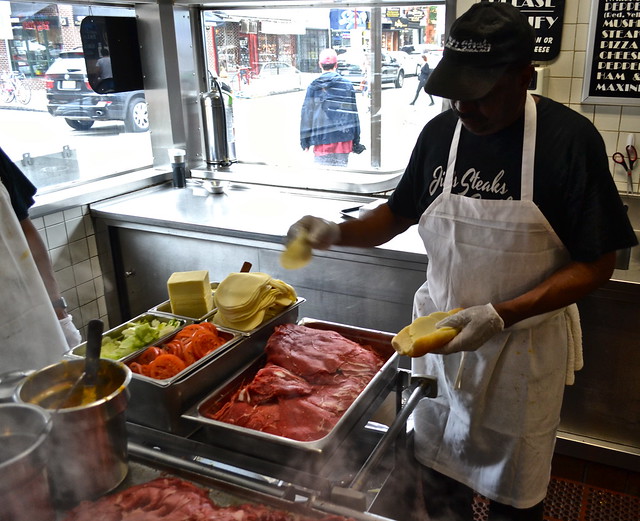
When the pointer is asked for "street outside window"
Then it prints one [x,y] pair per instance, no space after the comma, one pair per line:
[60,131]
[55,127]
[270,57]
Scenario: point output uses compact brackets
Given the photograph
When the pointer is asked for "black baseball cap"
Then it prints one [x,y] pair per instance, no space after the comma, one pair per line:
[481,45]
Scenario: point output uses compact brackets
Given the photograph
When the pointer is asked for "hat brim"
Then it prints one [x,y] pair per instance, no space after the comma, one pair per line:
[455,81]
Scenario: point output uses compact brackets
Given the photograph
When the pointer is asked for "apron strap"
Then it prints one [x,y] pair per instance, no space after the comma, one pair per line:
[528,152]
[528,148]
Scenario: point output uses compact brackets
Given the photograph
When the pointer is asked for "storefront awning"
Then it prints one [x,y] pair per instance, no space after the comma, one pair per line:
[26,9]
[282,27]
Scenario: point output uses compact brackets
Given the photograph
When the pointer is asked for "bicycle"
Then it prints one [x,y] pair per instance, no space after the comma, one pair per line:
[14,87]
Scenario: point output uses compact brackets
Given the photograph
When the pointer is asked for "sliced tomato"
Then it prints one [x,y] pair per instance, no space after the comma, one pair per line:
[166,366]
[187,355]
[142,369]
[149,355]
[187,331]
[209,326]
[136,367]
[206,344]
[175,347]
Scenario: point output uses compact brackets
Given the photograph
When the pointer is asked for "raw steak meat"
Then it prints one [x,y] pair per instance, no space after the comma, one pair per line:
[310,379]
[166,499]
[319,356]
[272,382]
[172,499]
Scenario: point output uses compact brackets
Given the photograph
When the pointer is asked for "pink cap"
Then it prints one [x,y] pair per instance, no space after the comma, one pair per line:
[328,57]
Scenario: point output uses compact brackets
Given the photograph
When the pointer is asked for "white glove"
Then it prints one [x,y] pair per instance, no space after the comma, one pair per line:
[321,234]
[476,324]
[70,331]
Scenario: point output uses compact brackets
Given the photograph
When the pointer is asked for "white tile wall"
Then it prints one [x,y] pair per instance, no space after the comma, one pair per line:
[71,242]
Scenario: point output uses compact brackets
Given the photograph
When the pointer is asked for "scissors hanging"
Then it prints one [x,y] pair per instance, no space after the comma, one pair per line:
[632,157]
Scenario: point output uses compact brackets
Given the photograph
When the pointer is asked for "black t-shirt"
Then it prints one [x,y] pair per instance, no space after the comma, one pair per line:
[21,190]
[573,187]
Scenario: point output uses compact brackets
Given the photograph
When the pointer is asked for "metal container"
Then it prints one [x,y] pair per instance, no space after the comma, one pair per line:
[88,442]
[24,488]
[161,403]
[287,315]
[217,117]
[116,334]
[298,454]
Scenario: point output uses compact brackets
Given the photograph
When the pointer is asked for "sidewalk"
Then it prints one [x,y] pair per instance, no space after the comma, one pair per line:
[38,102]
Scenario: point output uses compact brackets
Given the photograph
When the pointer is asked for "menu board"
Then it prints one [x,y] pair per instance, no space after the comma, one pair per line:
[612,67]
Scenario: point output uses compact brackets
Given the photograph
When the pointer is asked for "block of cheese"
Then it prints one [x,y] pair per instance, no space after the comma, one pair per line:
[190,293]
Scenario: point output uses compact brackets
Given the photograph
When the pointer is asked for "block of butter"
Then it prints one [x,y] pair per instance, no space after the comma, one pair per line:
[190,293]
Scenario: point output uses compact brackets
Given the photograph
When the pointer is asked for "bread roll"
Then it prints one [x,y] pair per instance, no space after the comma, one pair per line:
[422,336]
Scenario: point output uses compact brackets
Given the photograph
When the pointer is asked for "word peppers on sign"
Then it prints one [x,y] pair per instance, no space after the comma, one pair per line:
[614,54]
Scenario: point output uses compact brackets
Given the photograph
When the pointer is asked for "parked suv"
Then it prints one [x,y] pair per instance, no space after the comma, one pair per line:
[70,96]
[351,65]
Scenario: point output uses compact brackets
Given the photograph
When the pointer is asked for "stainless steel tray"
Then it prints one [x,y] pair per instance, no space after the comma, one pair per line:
[267,324]
[116,333]
[160,404]
[299,454]
[224,490]
[230,338]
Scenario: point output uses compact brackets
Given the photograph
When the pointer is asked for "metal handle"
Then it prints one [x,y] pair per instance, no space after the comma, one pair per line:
[425,387]
[92,354]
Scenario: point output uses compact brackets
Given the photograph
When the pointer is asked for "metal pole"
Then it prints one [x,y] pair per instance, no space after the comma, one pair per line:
[376,86]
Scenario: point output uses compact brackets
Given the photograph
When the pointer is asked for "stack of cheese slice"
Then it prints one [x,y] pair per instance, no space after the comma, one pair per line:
[246,300]
[190,293]
[422,336]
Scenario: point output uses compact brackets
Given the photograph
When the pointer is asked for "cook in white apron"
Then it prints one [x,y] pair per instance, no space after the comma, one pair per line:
[30,335]
[496,433]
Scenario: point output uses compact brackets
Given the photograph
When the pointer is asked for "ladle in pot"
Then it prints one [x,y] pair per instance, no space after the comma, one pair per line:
[83,390]
[92,359]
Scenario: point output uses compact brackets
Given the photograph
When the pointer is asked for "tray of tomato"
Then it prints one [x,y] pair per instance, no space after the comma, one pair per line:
[188,348]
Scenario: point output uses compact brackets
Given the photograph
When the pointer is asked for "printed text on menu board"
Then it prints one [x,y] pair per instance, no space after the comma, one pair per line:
[615,68]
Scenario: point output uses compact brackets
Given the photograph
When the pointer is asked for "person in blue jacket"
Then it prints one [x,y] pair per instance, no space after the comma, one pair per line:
[329,121]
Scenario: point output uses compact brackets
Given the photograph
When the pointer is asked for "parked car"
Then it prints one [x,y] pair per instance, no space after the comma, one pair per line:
[411,62]
[276,77]
[352,66]
[70,96]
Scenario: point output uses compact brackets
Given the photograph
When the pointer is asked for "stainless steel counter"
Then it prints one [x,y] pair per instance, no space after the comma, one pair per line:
[246,211]
[145,236]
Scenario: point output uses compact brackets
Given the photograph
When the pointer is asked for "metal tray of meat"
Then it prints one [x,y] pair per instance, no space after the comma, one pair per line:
[269,323]
[160,403]
[299,454]
[164,308]
[116,333]
[250,492]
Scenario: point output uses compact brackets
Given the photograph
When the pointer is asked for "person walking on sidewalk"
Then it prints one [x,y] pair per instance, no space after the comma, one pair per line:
[329,118]
[425,72]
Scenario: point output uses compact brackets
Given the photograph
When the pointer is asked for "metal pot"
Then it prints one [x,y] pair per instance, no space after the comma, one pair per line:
[24,487]
[88,450]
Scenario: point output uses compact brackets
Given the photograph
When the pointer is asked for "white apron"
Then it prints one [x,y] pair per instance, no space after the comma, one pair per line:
[30,334]
[496,433]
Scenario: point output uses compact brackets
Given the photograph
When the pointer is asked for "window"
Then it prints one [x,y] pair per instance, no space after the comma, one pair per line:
[269,57]
[62,133]
[54,126]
